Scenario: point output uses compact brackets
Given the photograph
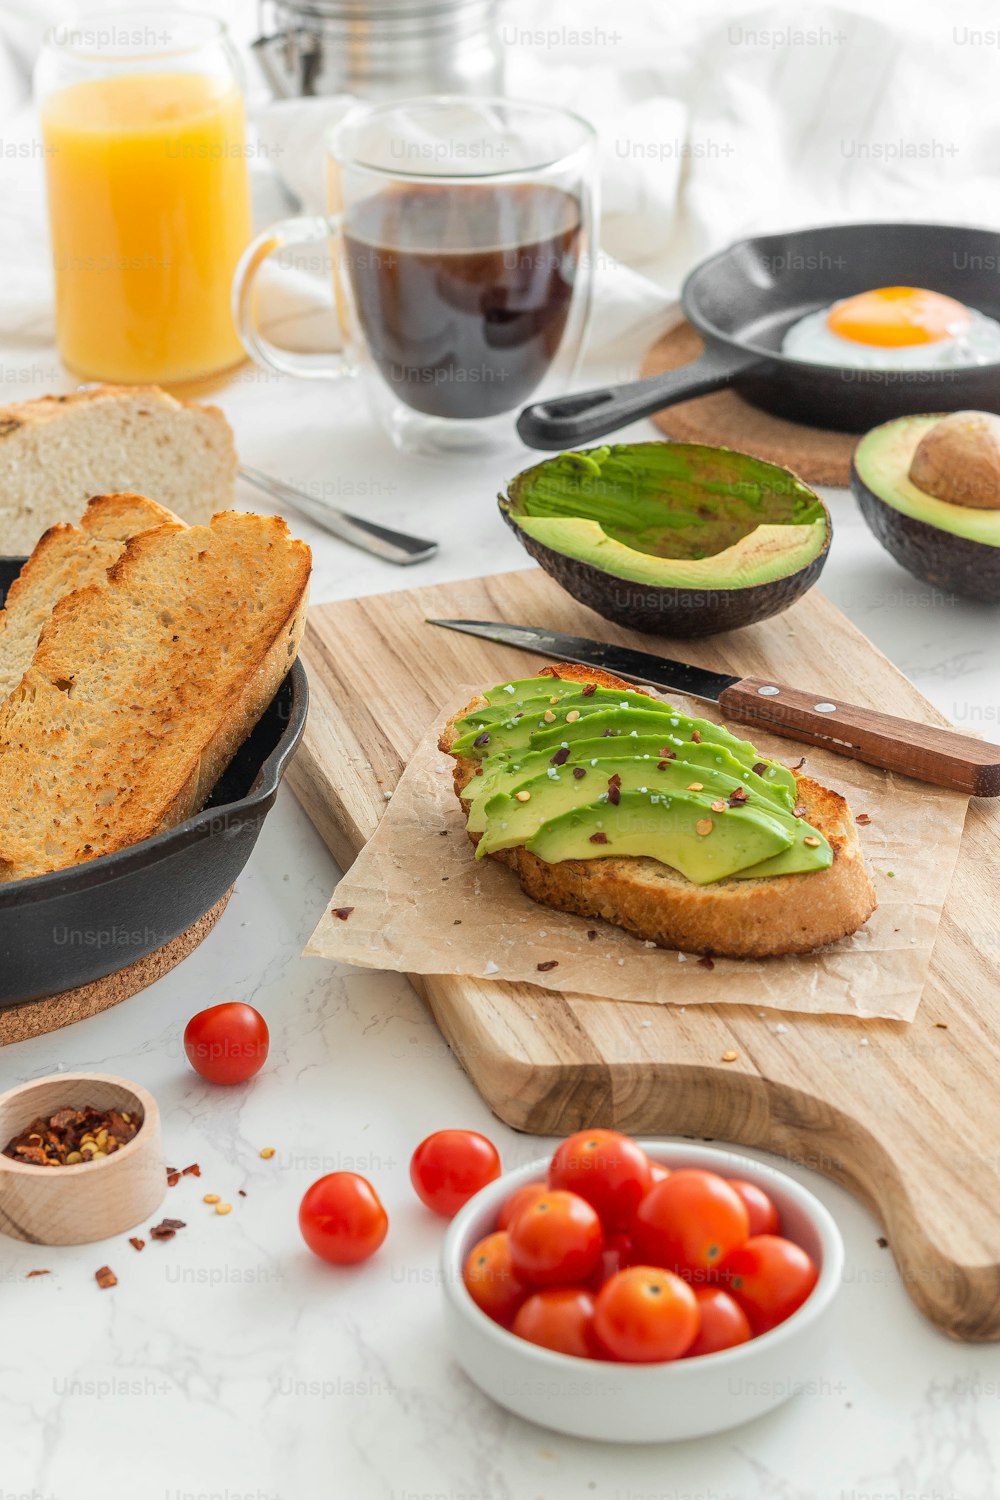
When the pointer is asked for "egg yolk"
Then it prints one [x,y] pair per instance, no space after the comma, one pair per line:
[891,317]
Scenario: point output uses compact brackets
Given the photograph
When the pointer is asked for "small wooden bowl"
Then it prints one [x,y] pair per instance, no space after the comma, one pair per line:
[90,1200]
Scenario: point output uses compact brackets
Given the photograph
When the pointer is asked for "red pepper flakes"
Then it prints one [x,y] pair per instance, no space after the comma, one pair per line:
[342,912]
[37,1273]
[615,789]
[547,966]
[737,796]
[696,736]
[136,1242]
[758,768]
[598,838]
[70,1137]
[864,819]
[561,756]
[589,690]
[192,1171]
[173,1177]
[579,773]
[105,1277]
[166,1229]
[591,934]
[705,962]
[241,1192]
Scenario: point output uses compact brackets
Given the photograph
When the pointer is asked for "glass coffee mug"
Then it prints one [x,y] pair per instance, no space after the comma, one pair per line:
[462,251]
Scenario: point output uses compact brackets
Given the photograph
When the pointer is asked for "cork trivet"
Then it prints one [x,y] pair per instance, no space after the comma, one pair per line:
[816,455]
[39,1016]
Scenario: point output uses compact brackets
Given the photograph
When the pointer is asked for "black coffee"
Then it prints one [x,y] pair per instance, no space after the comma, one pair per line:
[463,292]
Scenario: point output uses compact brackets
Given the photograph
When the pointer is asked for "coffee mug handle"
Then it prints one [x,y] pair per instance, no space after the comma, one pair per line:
[286,232]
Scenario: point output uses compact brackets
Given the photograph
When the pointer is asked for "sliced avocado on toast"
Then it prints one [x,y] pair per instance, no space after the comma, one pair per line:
[929,489]
[676,539]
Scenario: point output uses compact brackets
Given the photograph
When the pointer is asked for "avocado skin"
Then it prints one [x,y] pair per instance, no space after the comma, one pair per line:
[953,563]
[684,613]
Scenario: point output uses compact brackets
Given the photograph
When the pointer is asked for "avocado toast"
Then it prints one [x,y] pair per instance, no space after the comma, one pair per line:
[610,803]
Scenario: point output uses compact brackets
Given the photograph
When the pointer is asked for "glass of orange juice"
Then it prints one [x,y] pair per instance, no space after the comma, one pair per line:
[149,198]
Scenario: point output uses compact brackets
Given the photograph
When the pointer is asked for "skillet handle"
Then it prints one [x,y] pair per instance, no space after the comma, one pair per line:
[566,421]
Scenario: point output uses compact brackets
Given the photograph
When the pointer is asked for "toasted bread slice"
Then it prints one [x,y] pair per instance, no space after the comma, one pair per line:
[730,918]
[67,558]
[143,687]
[57,451]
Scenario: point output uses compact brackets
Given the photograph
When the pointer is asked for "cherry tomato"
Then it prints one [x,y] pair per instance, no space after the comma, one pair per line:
[762,1212]
[520,1198]
[770,1278]
[450,1166]
[227,1043]
[342,1219]
[608,1169]
[560,1318]
[557,1240]
[689,1223]
[490,1280]
[723,1321]
[618,1253]
[644,1314]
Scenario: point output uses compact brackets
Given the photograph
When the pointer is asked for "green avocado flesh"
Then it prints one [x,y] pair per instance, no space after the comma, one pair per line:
[674,515]
[882,462]
[665,769]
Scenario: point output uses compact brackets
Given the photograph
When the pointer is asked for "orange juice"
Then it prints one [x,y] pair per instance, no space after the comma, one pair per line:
[149,207]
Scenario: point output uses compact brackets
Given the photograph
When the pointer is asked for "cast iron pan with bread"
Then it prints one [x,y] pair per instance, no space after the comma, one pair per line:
[96,913]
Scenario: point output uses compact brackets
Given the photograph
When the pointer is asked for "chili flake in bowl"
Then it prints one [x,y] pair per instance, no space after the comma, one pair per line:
[73,1135]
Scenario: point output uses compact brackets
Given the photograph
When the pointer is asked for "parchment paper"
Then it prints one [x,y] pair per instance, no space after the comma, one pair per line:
[422,904]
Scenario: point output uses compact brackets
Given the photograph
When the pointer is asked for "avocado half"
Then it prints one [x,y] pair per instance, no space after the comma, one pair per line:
[953,547]
[675,539]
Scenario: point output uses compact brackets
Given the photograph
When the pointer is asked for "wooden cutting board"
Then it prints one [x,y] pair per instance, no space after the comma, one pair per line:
[909,1122]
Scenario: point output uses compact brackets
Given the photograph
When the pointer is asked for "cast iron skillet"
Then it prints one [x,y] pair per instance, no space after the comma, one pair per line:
[62,930]
[742,301]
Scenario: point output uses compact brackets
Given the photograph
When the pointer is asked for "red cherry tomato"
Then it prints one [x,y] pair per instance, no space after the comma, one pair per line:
[608,1169]
[521,1197]
[450,1166]
[227,1043]
[644,1314]
[557,1240]
[342,1219]
[770,1278]
[490,1280]
[761,1211]
[723,1321]
[560,1318]
[690,1223]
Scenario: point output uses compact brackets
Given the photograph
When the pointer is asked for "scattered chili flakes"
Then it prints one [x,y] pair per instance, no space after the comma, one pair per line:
[696,786]
[705,962]
[615,789]
[547,966]
[136,1242]
[342,912]
[549,716]
[267,1152]
[242,1192]
[589,690]
[37,1273]
[758,768]
[730,1056]
[173,1177]
[561,756]
[591,934]
[572,716]
[105,1277]
[811,840]
[192,1171]
[863,818]
[522,796]
[704,827]
[667,754]
[166,1229]
[882,1242]
[482,739]
[211,1198]
[696,736]
[578,773]
[71,1136]
[738,796]
[799,811]
[719,806]
[598,838]
[223,1208]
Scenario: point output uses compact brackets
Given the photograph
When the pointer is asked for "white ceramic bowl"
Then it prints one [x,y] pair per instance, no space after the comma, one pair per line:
[623,1403]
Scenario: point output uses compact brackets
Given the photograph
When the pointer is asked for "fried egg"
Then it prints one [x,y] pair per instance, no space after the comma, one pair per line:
[895,328]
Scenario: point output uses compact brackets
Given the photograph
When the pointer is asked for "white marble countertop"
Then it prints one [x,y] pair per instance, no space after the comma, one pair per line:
[230,1363]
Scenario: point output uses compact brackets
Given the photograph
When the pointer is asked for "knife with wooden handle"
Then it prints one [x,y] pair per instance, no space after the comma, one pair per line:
[942,757]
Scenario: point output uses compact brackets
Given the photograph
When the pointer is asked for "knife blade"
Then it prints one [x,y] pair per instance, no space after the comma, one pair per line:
[939,756]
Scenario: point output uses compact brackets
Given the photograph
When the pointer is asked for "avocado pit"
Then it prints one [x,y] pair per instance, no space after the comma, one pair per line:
[958,460]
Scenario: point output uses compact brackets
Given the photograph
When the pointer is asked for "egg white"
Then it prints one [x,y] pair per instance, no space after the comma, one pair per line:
[811,340]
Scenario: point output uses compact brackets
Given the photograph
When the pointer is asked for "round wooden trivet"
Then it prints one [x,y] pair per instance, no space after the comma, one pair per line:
[39,1016]
[725,419]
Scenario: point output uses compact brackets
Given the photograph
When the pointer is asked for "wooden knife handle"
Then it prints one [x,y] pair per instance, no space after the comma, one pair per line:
[940,756]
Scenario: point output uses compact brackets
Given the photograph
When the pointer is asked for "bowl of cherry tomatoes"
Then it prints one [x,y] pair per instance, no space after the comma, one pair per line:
[641,1293]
